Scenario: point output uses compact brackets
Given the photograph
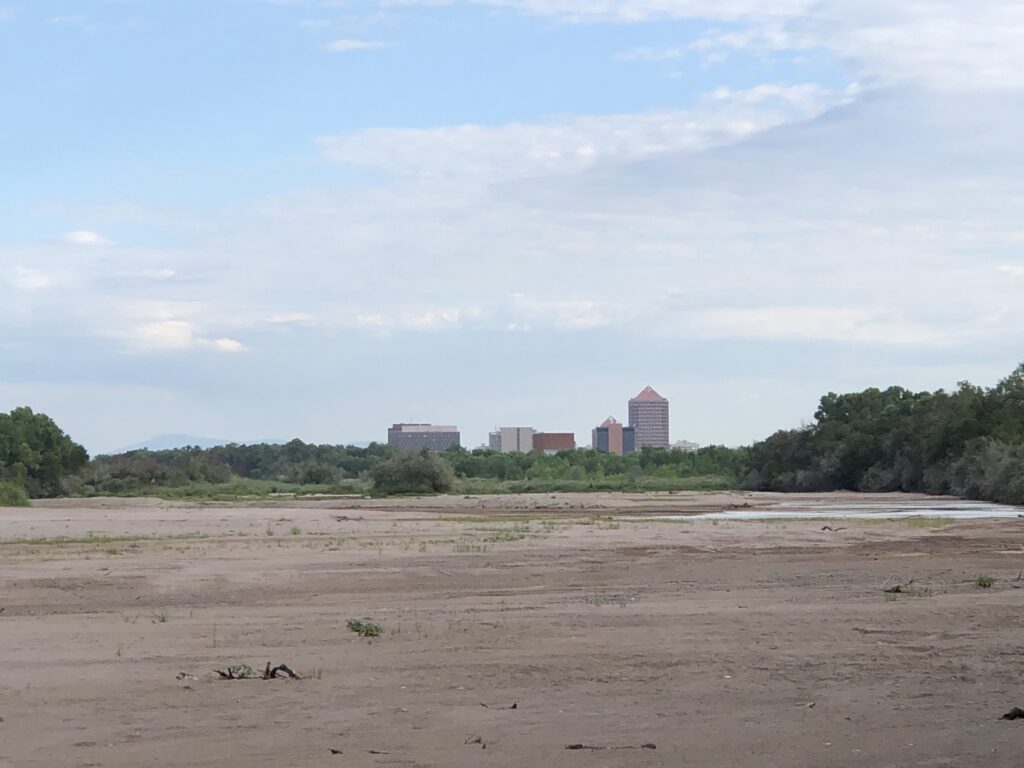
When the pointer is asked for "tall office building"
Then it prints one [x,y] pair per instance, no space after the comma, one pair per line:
[612,437]
[417,437]
[648,415]
[512,440]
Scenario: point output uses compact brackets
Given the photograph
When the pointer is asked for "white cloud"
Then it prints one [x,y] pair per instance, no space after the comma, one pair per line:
[845,325]
[346,46]
[158,326]
[948,45]
[440,319]
[574,143]
[163,335]
[529,312]
[223,345]
[286,318]
[84,237]
[639,10]
[651,55]
[30,279]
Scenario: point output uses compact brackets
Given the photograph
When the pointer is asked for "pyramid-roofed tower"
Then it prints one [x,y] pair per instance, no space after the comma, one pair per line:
[648,415]
[648,394]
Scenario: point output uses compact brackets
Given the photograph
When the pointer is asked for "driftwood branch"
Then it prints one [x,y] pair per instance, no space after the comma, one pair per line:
[593,748]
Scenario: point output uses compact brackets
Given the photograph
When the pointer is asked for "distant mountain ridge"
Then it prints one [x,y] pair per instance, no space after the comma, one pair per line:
[168,442]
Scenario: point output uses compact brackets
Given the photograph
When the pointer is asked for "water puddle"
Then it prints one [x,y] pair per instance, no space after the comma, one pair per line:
[797,510]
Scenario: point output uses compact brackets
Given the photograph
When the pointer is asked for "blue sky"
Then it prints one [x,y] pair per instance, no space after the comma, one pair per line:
[246,218]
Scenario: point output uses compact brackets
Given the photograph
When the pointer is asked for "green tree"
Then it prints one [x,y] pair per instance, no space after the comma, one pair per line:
[35,453]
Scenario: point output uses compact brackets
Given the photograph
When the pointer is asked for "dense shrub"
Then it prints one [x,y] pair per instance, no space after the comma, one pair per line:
[414,474]
[12,495]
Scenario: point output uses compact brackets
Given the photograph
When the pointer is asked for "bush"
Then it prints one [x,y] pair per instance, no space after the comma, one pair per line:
[416,473]
[12,495]
[984,582]
[364,628]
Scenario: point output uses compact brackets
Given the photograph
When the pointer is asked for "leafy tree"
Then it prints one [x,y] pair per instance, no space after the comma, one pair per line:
[35,453]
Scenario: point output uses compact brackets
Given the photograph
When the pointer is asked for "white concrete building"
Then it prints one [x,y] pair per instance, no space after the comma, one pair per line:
[512,439]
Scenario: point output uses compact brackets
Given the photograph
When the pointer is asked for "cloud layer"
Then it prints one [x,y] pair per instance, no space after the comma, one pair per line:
[742,250]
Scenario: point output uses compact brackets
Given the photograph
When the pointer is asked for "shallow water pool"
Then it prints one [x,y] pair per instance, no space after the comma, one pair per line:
[951,508]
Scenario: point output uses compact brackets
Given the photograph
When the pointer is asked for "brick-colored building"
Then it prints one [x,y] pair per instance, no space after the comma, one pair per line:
[648,415]
[552,442]
[612,437]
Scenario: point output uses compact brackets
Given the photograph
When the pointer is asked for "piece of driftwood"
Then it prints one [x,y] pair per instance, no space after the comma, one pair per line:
[271,672]
[594,748]
[245,672]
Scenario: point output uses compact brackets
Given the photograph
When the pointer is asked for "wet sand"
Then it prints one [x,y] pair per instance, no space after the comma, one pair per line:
[723,643]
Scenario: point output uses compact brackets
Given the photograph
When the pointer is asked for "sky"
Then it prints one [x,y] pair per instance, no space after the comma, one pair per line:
[255,219]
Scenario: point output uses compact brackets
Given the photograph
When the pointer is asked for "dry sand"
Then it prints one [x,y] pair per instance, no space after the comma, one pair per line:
[723,644]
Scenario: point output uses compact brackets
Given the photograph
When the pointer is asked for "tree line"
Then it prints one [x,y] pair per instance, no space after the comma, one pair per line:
[968,442]
[296,465]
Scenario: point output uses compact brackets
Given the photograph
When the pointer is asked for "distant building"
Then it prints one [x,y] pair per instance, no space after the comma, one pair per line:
[552,442]
[648,415]
[686,446]
[512,440]
[417,437]
[612,437]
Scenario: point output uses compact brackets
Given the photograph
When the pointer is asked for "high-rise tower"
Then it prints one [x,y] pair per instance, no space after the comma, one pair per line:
[648,415]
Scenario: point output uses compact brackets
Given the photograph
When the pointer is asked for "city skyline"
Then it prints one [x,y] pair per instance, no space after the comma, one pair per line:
[648,426]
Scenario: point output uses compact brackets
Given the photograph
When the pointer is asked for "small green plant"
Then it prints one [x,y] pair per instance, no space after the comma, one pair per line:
[464,547]
[242,672]
[515,533]
[984,582]
[160,616]
[296,530]
[365,628]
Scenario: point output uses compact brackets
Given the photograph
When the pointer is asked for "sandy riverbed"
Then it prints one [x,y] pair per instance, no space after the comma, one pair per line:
[724,643]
